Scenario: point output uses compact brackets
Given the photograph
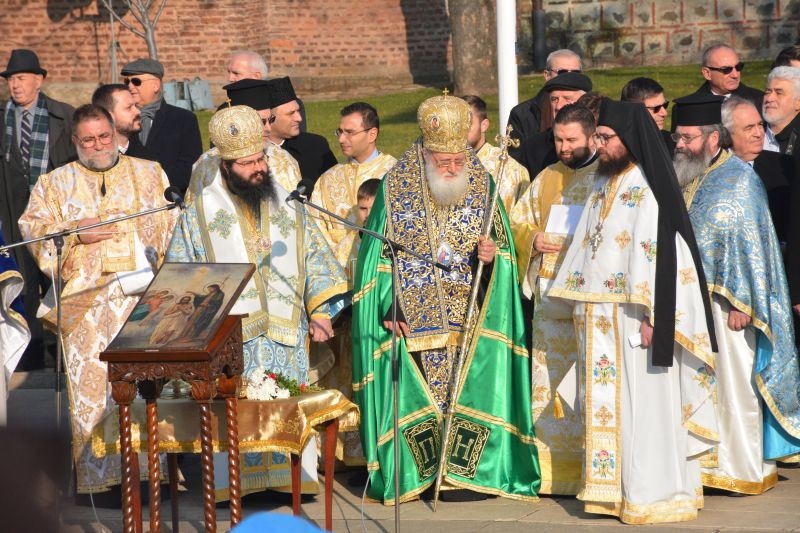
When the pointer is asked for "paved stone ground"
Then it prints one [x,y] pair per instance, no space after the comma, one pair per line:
[777,510]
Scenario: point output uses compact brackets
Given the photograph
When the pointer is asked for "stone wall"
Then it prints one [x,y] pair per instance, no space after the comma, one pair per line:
[616,32]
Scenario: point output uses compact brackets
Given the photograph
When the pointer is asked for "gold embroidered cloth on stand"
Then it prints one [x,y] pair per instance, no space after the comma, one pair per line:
[274,425]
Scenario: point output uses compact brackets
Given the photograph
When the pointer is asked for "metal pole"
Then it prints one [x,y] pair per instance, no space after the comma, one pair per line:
[113,45]
[507,89]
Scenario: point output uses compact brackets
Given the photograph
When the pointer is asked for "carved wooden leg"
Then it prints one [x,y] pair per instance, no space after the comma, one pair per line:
[235,487]
[331,429]
[123,393]
[296,483]
[203,392]
[154,467]
[172,469]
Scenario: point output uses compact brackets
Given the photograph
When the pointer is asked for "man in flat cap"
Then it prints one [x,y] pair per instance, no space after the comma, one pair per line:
[434,201]
[757,362]
[34,139]
[104,270]
[311,151]
[634,277]
[168,132]
[298,286]
[538,150]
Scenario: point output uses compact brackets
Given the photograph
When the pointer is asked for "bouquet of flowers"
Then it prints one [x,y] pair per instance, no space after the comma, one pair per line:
[272,386]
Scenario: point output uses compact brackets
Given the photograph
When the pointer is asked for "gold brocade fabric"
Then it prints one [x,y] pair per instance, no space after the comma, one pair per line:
[515,177]
[559,429]
[434,304]
[337,191]
[94,306]
[274,425]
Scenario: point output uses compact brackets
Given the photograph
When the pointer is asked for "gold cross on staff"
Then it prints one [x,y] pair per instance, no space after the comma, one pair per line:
[506,141]
[445,92]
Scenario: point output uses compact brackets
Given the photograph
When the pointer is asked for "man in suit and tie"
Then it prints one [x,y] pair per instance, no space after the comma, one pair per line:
[170,133]
[34,139]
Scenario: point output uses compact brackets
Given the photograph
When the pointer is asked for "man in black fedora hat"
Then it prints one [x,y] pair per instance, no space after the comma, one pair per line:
[34,139]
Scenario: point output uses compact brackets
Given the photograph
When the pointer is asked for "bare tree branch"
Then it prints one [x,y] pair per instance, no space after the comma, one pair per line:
[122,21]
[158,13]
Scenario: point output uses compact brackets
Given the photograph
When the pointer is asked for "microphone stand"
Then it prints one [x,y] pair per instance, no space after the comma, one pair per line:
[58,241]
[394,247]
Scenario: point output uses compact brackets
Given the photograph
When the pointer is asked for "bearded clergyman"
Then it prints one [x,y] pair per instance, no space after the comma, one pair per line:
[642,319]
[104,270]
[434,202]
[298,286]
[757,373]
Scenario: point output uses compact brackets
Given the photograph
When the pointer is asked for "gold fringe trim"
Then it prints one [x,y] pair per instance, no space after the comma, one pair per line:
[737,485]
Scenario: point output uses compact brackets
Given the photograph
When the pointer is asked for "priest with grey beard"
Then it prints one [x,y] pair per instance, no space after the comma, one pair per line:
[435,201]
[756,368]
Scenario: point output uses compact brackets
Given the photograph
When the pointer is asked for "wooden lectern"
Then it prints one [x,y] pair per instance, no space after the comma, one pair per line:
[212,372]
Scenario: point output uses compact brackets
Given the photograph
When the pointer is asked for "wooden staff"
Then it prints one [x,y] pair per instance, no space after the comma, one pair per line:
[456,380]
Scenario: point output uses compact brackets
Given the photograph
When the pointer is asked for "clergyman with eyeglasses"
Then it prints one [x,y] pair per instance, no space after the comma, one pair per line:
[34,139]
[104,270]
[169,133]
[298,287]
[645,335]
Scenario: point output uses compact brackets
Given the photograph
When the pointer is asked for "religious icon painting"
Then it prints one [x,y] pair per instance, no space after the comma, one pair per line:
[183,306]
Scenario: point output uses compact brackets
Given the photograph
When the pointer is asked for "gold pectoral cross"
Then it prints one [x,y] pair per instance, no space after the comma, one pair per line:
[596,238]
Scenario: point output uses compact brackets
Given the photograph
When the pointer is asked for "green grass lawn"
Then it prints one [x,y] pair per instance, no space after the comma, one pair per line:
[398,111]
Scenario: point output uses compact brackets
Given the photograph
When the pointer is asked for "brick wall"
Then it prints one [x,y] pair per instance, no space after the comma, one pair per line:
[367,46]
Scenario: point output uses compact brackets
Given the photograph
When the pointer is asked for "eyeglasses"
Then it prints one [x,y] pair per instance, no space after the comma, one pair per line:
[252,164]
[103,138]
[136,82]
[563,70]
[447,163]
[727,70]
[677,137]
[603,139]
[339,131]
[659,107]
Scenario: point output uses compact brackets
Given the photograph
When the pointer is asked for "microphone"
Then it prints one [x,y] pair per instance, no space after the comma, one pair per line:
[173,195]
[299,194]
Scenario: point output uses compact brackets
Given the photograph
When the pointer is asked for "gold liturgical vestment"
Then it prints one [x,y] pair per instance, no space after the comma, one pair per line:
[337,191]
[559,429]
[94,304]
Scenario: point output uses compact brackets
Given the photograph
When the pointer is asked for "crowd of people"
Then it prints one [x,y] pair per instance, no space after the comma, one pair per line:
[597,308]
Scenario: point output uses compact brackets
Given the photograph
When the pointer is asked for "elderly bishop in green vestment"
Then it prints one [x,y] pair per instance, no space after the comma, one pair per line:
[433,201]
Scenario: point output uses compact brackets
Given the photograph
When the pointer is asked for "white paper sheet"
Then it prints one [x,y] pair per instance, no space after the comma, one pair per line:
[563,219]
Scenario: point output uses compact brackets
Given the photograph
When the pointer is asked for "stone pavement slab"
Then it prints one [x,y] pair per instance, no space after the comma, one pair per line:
[777,510]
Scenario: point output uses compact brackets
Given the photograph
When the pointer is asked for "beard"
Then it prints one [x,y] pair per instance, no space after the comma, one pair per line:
[689,165]
[608,168]
[446,190]
[134,126]
[99,160]
[578,157]
[251,194]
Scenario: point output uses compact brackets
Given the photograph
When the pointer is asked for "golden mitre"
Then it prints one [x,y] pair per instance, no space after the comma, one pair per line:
[236,132]
[444,121]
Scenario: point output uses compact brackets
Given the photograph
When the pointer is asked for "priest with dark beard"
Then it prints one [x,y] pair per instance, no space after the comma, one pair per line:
[298,286]
[640,306]
[435,201]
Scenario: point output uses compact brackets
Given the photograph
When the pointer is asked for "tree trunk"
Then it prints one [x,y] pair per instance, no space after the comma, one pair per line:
[150,33]
[472,25]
